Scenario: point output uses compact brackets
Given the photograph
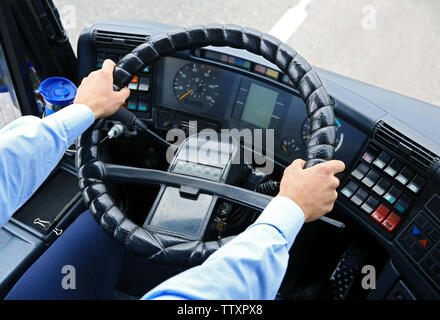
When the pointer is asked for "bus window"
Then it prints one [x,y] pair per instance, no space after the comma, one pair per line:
[9,109]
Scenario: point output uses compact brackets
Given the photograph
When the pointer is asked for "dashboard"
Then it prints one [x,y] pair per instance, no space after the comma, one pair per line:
[389,142]
[202,90]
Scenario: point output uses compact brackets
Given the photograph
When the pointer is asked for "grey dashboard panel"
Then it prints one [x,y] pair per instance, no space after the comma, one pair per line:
[18,249]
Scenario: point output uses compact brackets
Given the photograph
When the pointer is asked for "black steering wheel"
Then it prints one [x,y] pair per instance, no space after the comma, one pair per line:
[94,175]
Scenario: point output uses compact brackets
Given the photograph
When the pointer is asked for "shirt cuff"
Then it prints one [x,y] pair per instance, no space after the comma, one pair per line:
[284,215]
[76,119]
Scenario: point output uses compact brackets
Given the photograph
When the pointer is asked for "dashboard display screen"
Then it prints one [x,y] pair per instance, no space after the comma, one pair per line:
[259,105]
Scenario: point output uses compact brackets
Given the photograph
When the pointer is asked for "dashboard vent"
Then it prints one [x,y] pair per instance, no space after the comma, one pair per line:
[119,40]
[404,146]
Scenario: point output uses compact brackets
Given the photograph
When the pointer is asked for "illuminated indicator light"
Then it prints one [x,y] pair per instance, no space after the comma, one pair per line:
[133,86]
[135,79]
[287,80]
[368,158]
[424,242]
[132,106]
[390,198]
[338,123]
[402,180]
[347,193]
[400,208]
[142,108]
[238,62]
[415,231]
[99,65]
[224,58]
[379,163]
[413,188]
[390,171]
[146,69]
[231,60]
[247,64]
[272,73]
[259,68]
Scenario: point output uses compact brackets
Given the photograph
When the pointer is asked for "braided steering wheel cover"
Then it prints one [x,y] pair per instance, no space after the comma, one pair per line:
[166,247]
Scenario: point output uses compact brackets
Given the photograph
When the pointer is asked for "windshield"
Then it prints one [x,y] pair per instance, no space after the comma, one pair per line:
[392,44]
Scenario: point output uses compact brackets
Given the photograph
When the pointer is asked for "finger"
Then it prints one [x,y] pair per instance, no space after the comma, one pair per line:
[298,163]
[335,183]
[123,94]
[108,66]
[335,166]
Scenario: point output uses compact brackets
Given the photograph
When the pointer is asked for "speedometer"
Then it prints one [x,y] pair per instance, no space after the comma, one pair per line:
[196,85]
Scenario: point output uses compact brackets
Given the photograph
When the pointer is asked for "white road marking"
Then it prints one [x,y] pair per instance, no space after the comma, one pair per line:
[290,21]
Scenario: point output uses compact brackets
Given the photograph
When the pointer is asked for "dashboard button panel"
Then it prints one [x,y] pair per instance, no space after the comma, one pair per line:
[384,187]
[420,241]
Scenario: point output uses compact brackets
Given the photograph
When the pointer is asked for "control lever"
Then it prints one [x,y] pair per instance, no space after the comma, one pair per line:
[128,118]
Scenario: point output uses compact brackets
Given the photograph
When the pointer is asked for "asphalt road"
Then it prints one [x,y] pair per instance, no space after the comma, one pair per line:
[393,44]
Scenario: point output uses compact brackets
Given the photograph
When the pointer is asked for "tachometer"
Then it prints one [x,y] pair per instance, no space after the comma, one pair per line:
[305,133]
[196,85]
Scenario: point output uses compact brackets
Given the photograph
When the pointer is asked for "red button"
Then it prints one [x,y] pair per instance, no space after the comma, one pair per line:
[380,214]
[391,222]
[424,242]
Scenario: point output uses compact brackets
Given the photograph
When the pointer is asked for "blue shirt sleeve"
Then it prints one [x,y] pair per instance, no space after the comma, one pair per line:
[251,266]
[30,148]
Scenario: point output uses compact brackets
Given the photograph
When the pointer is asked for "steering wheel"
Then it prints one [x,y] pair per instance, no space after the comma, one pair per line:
[167,247]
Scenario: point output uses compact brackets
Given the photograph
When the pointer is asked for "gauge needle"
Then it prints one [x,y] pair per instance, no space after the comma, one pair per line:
[186,94]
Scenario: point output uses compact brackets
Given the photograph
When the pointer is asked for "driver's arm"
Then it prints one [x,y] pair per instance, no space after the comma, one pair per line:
[252,265]
[30,147]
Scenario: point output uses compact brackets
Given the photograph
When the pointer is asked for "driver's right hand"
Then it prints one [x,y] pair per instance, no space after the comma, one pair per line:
[313,189]
[96,92]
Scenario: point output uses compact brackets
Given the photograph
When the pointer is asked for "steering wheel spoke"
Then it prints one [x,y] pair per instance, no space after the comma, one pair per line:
[139,176]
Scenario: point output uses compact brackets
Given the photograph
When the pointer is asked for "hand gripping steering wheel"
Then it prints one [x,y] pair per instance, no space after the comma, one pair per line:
[94,175]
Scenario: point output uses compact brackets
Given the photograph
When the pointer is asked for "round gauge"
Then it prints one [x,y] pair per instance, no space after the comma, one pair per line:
[196,85]
[305,133]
